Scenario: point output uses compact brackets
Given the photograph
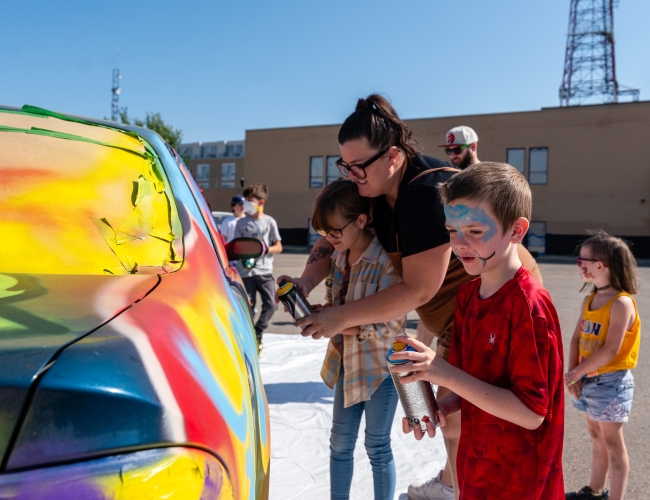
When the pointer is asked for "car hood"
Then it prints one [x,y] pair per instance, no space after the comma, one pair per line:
[40,315]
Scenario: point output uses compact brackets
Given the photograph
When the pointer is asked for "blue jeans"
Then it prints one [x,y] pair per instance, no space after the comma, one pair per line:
[380,411]
[607,397]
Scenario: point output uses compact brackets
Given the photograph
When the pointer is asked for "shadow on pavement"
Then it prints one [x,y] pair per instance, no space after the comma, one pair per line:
[298,392]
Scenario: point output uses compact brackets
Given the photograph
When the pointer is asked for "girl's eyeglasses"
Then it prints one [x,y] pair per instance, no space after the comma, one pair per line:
[580,260]
[359,170]
[457,150]
[334,233]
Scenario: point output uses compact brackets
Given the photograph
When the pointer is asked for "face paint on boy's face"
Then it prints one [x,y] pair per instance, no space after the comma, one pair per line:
[484,260]
[462,215]
[472,231]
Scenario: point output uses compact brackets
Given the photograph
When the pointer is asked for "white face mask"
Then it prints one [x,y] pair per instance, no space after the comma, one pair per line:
[250,208]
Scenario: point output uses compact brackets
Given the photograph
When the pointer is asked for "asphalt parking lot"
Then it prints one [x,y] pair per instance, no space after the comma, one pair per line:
[563,282]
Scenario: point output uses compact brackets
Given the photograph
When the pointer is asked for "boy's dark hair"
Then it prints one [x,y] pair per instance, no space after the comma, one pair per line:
[376,120]
[617,256]
[259,191]
[342,196]
[501,186]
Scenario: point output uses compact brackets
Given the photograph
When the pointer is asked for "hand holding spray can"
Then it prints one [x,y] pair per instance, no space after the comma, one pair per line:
[293,299]
[418,402]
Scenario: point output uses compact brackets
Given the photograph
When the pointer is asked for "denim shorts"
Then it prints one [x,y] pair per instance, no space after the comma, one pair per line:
[607,397]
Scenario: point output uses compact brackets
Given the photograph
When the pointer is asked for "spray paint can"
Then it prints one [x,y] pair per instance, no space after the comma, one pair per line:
[418,402]
[293,299]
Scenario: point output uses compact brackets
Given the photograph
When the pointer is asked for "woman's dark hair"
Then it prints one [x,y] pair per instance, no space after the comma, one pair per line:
[617,256]
[375,120]
[339,196]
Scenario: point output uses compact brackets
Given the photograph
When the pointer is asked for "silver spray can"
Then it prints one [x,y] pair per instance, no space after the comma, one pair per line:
[293,299]
[418,402]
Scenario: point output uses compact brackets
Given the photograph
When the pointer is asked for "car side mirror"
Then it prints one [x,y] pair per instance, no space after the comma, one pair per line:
[245,248]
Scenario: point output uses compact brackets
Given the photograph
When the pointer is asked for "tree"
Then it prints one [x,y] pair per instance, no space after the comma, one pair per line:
[153,121]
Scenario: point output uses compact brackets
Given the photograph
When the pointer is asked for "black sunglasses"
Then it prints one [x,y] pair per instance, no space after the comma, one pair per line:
[580,260]
[359,170]
[334,233]
[457,150]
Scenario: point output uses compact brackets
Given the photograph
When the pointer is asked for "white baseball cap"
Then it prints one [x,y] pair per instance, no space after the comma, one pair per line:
[459,136]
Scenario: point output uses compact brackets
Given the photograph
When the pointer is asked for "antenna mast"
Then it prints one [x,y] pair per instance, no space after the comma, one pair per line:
[115,90]
[589,64]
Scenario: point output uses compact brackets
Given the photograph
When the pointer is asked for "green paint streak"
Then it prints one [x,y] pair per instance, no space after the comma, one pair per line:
[70,137]
[36,111]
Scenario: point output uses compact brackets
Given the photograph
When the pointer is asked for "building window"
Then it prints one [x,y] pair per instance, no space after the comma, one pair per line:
[536,237]
[203,172]
[538,166]
[239,150]
[230,150]
[213,151]
[204,185]
[227,175]
[316,172]
[188,153]
[204,151]
[516,157]
[332,170]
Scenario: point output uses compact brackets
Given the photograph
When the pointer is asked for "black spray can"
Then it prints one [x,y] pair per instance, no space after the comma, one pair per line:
[418,402]
[293,299]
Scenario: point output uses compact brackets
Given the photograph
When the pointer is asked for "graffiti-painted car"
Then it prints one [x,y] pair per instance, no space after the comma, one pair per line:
[128,365]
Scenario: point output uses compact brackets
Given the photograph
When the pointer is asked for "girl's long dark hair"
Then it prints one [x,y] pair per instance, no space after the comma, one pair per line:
[375,120]
[617,256]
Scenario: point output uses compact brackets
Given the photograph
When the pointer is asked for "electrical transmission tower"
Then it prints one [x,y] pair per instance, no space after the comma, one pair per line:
[115,101]
[589,64]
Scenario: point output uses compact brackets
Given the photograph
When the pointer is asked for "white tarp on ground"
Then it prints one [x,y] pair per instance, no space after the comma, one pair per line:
[301,416]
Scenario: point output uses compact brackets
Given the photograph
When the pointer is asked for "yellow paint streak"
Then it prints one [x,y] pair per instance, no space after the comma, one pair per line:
[180,476]
[51,189]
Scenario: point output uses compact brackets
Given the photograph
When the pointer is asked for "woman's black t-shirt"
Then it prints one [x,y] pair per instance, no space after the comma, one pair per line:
[417,220]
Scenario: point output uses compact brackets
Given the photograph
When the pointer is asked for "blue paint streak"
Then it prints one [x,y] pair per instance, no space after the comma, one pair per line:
[236,421]
[462,215]
[202,373]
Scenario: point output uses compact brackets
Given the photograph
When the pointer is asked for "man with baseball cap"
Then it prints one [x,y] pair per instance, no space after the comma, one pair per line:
[227,226]
[461,146]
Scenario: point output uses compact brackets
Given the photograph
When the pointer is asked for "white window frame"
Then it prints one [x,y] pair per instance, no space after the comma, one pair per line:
[332,173]
[203,172]
[316,163]
[538,165]
[523,159]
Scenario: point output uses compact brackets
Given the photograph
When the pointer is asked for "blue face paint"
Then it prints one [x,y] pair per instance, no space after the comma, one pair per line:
[462,215]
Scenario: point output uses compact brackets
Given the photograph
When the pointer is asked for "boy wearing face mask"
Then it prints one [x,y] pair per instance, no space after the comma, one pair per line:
[257,224]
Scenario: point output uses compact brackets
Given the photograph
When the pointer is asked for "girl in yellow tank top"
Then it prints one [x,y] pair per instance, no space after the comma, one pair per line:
[604,347]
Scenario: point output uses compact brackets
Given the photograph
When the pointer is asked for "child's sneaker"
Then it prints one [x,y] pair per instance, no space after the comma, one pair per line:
[433,489]
[587,493]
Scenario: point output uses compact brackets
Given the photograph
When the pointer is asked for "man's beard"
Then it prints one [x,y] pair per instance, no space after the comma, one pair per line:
[465,162]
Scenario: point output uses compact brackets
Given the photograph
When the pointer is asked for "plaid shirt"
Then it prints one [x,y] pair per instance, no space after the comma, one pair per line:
[364,354]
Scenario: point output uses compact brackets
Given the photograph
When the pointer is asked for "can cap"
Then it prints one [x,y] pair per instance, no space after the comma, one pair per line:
[285,286]
[398,346]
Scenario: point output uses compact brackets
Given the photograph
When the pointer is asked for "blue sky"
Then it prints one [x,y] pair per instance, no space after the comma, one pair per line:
[215,69]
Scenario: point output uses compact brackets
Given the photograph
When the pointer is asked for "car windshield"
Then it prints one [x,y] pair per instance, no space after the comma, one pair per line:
[78,198]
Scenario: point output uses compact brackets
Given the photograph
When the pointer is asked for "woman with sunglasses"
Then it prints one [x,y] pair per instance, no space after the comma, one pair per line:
[604,348]
[380,155]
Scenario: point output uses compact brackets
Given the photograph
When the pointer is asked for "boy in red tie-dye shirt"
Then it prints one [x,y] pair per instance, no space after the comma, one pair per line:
[506,363]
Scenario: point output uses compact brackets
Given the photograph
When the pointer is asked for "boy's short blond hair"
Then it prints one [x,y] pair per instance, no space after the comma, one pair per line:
[501,186]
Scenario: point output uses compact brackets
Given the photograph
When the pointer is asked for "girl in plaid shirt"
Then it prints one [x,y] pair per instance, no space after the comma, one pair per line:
[355,363]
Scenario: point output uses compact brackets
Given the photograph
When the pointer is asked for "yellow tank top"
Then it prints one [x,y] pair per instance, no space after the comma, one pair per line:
[593,334]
